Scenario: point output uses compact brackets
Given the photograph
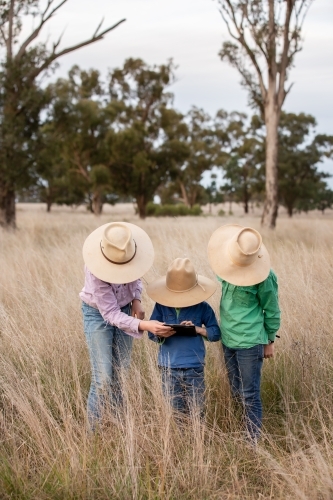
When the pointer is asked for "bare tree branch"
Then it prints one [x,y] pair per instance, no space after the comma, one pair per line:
[288,90]
[272,68]
[254,33]
[98,27]
[36,32]
[241,39]
[10,30]
[281,94]
[3,35]
[55,55]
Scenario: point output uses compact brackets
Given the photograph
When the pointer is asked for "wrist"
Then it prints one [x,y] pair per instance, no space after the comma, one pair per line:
[143,325]
[201,331]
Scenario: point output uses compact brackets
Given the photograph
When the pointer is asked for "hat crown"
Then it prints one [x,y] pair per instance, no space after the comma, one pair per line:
[181,276]
[117,243]
[244,247]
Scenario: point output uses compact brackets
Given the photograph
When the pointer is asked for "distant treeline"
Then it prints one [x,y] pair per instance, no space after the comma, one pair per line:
[120,138]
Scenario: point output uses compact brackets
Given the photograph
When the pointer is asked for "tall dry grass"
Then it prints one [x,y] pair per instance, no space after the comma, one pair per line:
[45,450]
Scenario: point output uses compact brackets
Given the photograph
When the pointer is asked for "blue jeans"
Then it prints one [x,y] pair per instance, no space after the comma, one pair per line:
[244,373]
[185,387]
[110,353]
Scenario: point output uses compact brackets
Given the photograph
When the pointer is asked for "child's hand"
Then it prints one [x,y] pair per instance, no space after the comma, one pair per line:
[198,329]
[268,351]
[137,311]
[157,328]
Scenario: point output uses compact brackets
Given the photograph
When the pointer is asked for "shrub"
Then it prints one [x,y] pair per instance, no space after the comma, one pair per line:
[155,210]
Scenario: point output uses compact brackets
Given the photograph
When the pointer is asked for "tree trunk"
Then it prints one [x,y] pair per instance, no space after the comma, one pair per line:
[184,194]
[97,203]
[49,201]
[271,202]
[7,207]
[246,201]
[141,203]
[290,210]
[193,198]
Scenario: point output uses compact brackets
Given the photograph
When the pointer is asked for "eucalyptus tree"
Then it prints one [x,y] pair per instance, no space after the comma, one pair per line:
[301,150]
[243,170]
[323,198]
[79,123]
[23,59]
[199,142]
[266,35]
[203,150]
[139,95]
[56,181]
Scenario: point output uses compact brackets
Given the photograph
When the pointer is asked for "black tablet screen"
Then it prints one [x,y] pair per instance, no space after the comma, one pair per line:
[183,330]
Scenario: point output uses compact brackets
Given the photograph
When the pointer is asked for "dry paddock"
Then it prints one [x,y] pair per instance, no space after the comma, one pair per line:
[45,450]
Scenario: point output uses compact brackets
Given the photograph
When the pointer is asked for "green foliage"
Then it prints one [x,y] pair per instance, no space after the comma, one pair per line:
[23,59]
[76,136]
[243,170]
[100,175]
[300,152]
[301,183]
[138,92]
[196,141]
[156,210]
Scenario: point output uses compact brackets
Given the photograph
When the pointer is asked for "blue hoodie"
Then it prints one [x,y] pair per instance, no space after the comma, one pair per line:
[185,352]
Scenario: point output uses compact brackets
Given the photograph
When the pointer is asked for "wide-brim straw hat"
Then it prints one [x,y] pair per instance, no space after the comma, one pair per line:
[182,286]
[118,252]
[238,255]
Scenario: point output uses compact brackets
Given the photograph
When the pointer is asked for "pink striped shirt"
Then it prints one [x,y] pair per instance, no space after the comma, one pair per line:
[108,298]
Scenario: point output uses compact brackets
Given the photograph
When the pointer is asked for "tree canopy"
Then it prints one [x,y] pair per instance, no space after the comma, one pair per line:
[24,56]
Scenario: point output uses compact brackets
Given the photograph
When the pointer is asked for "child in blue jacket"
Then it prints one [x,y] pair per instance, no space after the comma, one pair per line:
[179,300]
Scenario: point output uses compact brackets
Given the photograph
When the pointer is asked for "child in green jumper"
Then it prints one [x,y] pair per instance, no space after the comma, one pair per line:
[249,312]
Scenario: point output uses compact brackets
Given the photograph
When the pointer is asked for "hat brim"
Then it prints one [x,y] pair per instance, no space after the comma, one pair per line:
[158,291]
[223,266]
[100,267]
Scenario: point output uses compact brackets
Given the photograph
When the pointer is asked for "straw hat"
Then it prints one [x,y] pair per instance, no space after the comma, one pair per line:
[181,287]
[118,252]
[238,255]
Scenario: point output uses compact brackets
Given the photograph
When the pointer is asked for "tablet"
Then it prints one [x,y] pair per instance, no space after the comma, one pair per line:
[183,330]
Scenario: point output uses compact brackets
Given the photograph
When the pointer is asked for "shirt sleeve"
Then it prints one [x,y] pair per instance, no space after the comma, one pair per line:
[138,290]
[211,324]
[269,301]
[107,304]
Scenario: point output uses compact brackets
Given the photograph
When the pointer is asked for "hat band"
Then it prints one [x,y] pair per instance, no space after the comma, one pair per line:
[188,289]
[118,263]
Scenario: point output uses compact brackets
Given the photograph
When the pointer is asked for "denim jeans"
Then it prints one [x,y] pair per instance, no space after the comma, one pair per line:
[110,354]
[244,373]
[185,388]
